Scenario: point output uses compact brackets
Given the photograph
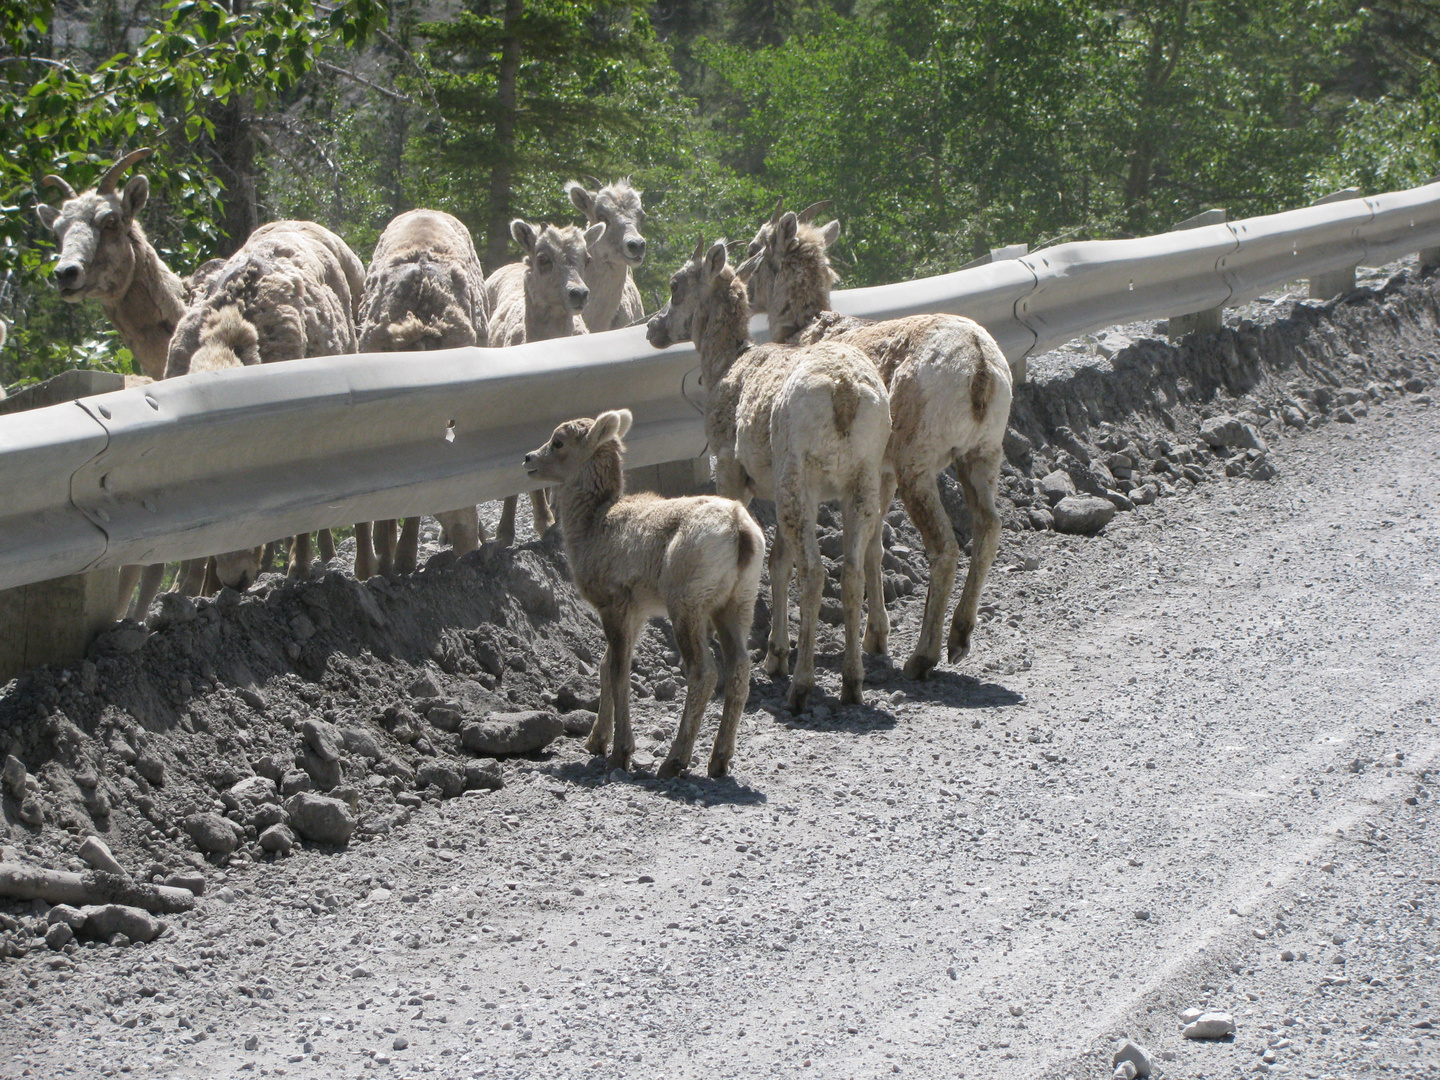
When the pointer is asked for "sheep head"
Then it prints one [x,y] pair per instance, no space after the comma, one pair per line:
[617,205]
[555,260]
[95,231]
[575,442]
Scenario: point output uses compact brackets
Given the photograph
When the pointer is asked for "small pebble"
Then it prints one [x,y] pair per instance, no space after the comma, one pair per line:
[1210,1025]
[400,1043]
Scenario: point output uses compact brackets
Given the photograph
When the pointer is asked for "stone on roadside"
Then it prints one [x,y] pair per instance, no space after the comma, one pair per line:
[278,838]
[104,921]
[320,819]
[1191,1014]
[212,833]
[1135,1054]
[362,743]
[512,733]
[59,935]
[322,738]
[1082,515]
[95,852]
[483,776]
[71,916]
[445,776]
[295,781]
[1119,500]
[192,880]
[14,777]
[1056,486]
[578,721]
[1125,1071]
[1210,1025]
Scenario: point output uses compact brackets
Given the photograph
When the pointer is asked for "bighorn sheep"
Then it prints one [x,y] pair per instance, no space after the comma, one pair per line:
[292,291]
[796,425]
[950,390]
[614,298]
[425,290]
[105,256]
[537,299]
[696,559]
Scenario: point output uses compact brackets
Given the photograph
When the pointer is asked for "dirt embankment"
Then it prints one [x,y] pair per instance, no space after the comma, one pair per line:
[374,694]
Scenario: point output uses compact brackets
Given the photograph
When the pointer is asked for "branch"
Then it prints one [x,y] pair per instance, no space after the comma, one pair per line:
[391,94]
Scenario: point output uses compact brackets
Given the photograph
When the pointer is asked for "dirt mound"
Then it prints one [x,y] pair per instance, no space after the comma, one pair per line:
[194,737]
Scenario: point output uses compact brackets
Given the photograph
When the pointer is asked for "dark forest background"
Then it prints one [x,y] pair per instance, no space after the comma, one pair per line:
[938,128]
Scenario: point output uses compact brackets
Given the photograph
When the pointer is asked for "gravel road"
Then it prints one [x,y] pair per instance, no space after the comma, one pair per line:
[1183,750]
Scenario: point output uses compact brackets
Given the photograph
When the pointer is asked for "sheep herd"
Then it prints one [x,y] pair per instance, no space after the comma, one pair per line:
[835,408]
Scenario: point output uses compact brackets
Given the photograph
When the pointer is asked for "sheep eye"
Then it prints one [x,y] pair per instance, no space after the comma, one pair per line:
[555,443]
[543,262]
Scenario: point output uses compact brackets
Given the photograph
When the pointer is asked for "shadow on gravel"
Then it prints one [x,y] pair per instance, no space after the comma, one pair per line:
[958,691]
[693,787]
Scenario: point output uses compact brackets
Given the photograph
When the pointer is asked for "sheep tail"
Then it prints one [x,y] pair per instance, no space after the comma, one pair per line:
[407,331]
[982,387]
[846,402]
[745,542]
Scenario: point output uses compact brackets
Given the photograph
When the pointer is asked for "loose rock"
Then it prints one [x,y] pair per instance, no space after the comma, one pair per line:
[320,819]
[104,921]
[512,733]
[212,833]
[1082,515]
[1210,1025]
[1135,1055]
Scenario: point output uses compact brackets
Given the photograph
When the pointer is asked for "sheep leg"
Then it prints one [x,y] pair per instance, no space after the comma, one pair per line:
[732,627]
[382,536]
[299,556]
[604,725]
[211,583]
[505,531]
[325,544]
[150,582]
[407,547]
[858,517]
[462,529]
[782,561]
[540,511]
[920,492]
[621,629]
[797,517]
[191,578]
[692,639]
[877,618]
[267,557]
[129,578]
[364,551]
[979,473]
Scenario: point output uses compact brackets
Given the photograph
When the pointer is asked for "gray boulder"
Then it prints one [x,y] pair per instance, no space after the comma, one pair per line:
[512,733]
[103,921]
[322,738]
[1056,486]
[1082,515]
[278,838]
[213,834]
[320,819]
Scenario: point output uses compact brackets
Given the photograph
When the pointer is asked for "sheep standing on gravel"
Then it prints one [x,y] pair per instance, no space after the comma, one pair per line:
[697,559]
[950,391]
[614,297]
[798,426]
[425,290]
[291,292]
[536,299]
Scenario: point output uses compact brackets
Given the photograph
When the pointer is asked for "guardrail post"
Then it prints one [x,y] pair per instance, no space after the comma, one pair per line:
[1335,282]
[54,622]
[1211,319]
[671,478]
[1430,257]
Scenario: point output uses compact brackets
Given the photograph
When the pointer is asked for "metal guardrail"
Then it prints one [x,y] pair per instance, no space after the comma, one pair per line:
[221,460]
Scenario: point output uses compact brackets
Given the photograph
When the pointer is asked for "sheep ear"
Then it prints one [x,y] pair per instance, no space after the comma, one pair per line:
[47,214]
[594,233]
[786,230]
[524,234]
[626,419]
[716,258]
[830,232]
[137,191]
[607,426]
[584,200]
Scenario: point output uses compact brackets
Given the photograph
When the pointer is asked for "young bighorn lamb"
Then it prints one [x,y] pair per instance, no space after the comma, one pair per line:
[696,559]
[950,390]
[796,425]
[614,297]
[425,290]
[536,299]
[105,256]
[292,291]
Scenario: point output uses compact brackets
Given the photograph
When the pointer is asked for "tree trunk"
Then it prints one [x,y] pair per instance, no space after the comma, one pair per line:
[497,232]
[234,151]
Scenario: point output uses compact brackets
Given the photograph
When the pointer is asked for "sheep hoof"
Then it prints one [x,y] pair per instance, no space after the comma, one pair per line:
[669,768]
[876,644]
[595,747]
[797,698]
[618,760]
[918,666]
[851,692]
[959,646]
[718,767]
[776,663]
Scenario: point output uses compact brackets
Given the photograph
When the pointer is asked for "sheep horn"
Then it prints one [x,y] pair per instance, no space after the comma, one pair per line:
[54,181]
[811,210]
[699,246]
[775,215]
[107,182]
[591,180]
